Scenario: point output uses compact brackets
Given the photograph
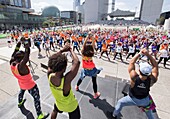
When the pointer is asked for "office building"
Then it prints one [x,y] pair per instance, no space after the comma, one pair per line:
[95,10]
[76,3]
[150,10]
[18,13]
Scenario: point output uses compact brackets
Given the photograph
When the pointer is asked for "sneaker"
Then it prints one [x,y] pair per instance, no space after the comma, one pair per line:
[110,115]
[43,116]
[96,95]
[77,88]
[21,103]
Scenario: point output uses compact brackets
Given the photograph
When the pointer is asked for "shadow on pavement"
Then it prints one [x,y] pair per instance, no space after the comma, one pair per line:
[101,104]
[27,113]
[35,77]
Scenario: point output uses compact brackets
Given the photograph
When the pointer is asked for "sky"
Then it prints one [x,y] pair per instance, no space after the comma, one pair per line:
[132,5]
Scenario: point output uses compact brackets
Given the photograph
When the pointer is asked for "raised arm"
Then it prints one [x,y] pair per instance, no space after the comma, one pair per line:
[84,44]
[93,42]
[131,67]
[74,69]
[26,57]
[16,50]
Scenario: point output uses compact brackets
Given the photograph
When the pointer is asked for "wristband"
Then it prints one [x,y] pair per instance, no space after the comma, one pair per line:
[17,48]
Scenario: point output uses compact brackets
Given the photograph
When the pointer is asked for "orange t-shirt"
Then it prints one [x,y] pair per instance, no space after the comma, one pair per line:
[80,38]
[104,47]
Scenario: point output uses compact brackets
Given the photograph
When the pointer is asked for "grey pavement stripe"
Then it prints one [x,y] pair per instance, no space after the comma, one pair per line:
[84,92]
[163,111]
[5,92]
[116,93]
[6,72]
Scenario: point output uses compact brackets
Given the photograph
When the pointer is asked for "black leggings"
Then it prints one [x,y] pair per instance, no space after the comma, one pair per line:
[165,60]
[105,52]
[75,47]
[93,81]
[119,54]
[72,115]
[35,94]
[130,54]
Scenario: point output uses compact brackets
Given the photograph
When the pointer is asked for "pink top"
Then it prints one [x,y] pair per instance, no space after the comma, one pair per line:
[26,82]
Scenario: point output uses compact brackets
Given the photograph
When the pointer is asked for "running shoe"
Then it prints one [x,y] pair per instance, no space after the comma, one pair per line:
[43,116]
[96,95]
[21,103]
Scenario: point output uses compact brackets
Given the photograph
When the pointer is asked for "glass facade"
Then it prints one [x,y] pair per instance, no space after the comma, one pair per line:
[14,18]
[11,18]
[17,3]
[12,2]
[20,3]
[26,4]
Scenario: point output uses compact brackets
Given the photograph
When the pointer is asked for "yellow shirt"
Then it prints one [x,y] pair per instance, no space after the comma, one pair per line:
[64,103]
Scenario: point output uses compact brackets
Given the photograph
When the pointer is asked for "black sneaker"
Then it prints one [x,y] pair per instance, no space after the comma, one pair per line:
[110,115]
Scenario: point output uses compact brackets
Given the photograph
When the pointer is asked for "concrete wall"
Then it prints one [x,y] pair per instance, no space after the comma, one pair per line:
[151,10]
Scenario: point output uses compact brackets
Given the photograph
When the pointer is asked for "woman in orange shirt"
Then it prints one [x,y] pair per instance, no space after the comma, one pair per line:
[21,71]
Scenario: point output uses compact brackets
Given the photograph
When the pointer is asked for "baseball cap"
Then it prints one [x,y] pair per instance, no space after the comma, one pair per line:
[145,68]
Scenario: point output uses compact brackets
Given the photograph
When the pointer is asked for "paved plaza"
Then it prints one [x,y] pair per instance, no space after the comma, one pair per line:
[111,81]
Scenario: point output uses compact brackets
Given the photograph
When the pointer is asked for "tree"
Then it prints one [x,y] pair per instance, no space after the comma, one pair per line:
[161,20]
[49,23]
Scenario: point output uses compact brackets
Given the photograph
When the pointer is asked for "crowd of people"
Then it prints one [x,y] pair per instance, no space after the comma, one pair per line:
[111,42]
[153,45]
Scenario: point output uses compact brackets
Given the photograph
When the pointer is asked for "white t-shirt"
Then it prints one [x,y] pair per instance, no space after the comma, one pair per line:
[164,53]
[119,49]
[9,39]
[131,49]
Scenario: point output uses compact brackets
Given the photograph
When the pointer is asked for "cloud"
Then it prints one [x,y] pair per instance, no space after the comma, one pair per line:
[37,5]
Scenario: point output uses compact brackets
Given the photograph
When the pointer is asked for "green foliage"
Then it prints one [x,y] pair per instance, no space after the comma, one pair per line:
[50,22]
[161,20]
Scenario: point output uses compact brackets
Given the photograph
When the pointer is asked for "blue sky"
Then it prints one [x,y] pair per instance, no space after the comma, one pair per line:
[132,5]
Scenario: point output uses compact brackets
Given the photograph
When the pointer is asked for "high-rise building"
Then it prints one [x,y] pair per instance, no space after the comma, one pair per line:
[113,5]
[95,10]
[150,10]
[76,3]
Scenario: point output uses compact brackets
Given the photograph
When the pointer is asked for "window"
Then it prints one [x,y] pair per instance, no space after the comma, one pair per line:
[20,3]
[12,2]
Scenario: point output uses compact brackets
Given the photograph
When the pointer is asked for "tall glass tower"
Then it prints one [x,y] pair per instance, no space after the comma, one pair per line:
[75,4]
[113,5]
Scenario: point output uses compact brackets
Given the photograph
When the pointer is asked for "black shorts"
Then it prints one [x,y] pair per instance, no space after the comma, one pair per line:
[125,49]
[9,41]
[72,115]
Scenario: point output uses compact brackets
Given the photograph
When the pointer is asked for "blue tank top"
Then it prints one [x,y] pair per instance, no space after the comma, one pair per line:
[99,44]
[154,48]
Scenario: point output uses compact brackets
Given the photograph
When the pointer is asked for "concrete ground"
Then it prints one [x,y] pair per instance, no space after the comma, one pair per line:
[110,80]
